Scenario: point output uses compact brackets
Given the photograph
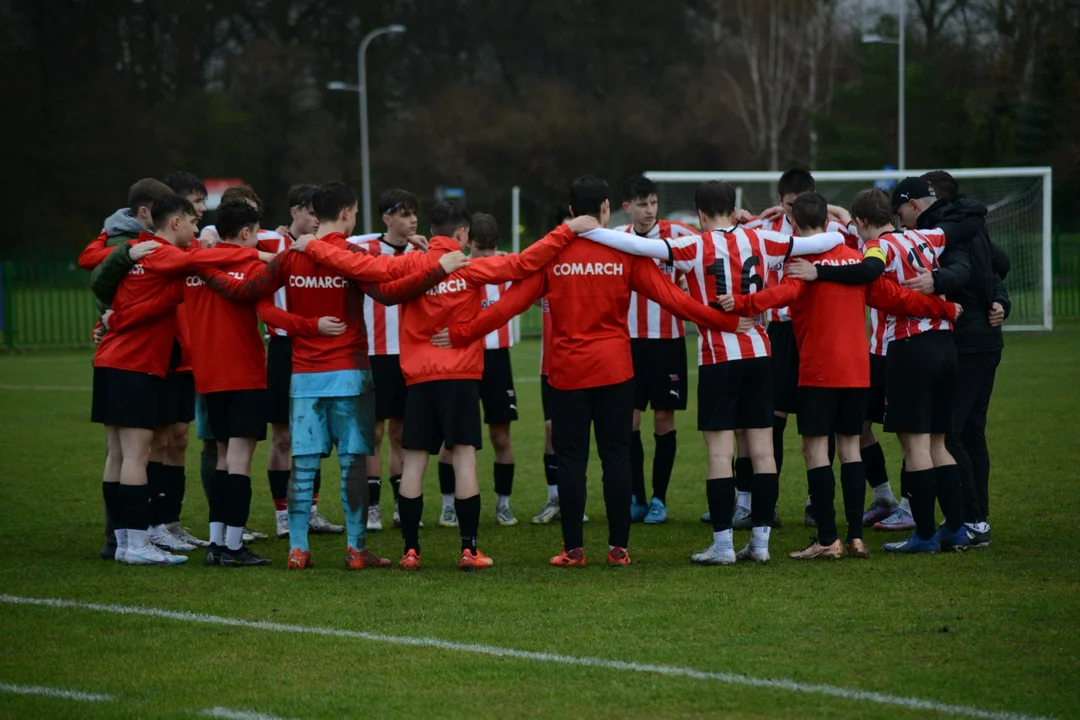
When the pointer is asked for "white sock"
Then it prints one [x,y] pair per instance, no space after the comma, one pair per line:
[502,501]
[281,515]
[217,533]
[137,539]
[807,501]
[743,499]
[884,493]
[157,531]
[759,536]
[553,492]
[121,537]
[723,540]
[905,505]
[314,508]
[448,500]
[234,537]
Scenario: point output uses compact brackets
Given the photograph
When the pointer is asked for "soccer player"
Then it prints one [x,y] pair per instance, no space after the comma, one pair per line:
[834,375]
[442,405]
[658,346]
[129,373]
[332,404]
[591,371]
[921,366]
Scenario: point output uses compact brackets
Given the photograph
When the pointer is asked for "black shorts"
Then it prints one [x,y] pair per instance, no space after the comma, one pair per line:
[659,373]
[442,412]
[237,414]
[920,384]
[497,388]
[390,391]
[127,399]
[547,397]
[177,399]
[875,405]
[735,395]
[278,378]
[785,367]
[825,411]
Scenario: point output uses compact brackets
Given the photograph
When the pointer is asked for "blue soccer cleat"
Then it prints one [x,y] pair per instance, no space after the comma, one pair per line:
[657,514]
[953,542]
[913,544]
[637,511]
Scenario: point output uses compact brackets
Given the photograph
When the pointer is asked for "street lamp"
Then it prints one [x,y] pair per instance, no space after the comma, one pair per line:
[899,42]
[361,87]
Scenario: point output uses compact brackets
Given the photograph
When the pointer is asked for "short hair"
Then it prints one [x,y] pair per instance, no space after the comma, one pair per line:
[145,192]
[169,206]
[300,195]
[943,184]
[873,207]
[448,216]
[484,231]
[715,198]
[234,215]
[392,200]
[638,186]
[330,199]
[810,210]
[243,192]
[184,183]
[796,181]
[587,195]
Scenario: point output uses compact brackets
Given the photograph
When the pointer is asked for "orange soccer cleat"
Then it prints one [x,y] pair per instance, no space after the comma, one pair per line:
[474,560]
[299,560]
[618,558]
[363,559]
[410,561]
[574,557]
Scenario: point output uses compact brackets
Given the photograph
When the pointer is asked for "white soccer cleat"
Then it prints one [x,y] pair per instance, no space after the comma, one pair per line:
[505,517]
[184,535]
[252,535]
[121,555]
[170,543]
[547,513]
[374,519]
[753,554]
[151,555]
[714,555]
[448,518]
[282,526]
[319,525]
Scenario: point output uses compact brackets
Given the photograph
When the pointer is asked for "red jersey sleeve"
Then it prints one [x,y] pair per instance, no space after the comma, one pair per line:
[169,260]
[95,253]
[788,291]
[514,301]
[646,279]
[296,325]
[516,266]
[260,284]
[890,298]
[358,265]
[404,289]
[139,313]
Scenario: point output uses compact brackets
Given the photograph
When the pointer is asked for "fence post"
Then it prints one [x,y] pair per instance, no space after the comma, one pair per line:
[7,311]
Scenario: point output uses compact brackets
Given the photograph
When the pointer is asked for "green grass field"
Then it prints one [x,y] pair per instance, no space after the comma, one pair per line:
[991,634]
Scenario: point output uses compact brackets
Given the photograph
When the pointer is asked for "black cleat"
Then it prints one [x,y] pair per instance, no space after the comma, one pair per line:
[776,521]
[977,539]
[214,554]
[108,550]
[242,558]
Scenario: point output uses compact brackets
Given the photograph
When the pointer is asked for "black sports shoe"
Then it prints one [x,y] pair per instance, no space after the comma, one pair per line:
[214,554]
[242,558]
[776,521]
[108,550]
[977,539]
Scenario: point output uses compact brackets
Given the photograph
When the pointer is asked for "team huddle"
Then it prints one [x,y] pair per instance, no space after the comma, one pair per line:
[403,337]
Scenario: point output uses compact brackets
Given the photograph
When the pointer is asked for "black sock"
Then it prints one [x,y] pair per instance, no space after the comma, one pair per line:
[766,490]
[207,468]
[159,502]
[279,484]
[822,484]
[551,469]
[852,477]
[411,509]
[778,425]
[374,489]
[114,512]
[318,483]
[720,494]
[176,477]
[135,500]
[504,478]
[446,478]
[832,449]
[468,512]
[637,467]
[662,465]
[395,485]
[217,500]
[948,496]
[923,487]
[744,475]
[237,498]
[873,457]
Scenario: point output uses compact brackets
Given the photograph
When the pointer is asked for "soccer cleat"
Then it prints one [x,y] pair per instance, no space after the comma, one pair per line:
[637,511]
[816,551]
[170,543]
[184,535]
[396,521]
[900,521]
[504,516]
[374,518]
[474,560]
[753,554]
[281,527]
[913,544]
[549,512]
[574,557]
[253,535]
[448,517]
[776,521]
[299,560]
[242,558]
[363,559]
[618,557]
[878,511]
[120,555]
[108,550]
[584,518]
[808,519]
[741,519]
[714,555]
[657,514]
[410,561]
[952,542]
[706,517]
[857,548]
[213,554]
[151,555]
[978,534]
[319,525]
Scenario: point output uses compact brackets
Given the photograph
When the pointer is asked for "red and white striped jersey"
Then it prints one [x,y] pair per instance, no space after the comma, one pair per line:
[272,242]
[501,338]
[902,253]
[545,337]
[381,320]
[881,330]
[646,318]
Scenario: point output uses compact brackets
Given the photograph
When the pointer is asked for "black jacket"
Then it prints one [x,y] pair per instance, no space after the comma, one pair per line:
[971,275]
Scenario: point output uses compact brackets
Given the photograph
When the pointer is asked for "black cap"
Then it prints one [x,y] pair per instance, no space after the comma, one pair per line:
[911,188]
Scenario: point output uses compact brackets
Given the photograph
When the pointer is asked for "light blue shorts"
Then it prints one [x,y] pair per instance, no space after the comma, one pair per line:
[202,420]
[318,424]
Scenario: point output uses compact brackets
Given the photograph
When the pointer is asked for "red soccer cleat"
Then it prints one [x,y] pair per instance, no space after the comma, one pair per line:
[618,558]
[363,559]
[410,561]
[299,560]
[474,560]
[574,557]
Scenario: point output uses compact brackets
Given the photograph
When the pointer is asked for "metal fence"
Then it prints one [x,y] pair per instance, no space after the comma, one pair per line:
[48,304]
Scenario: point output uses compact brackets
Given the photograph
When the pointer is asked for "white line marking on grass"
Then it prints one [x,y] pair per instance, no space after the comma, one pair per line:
[76,388]
[54,693]
[220,712]
[493,651]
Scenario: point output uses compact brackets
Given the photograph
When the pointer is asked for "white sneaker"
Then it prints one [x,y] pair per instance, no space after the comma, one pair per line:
[714,555]
[184,535]
[121,555]
[252,535]
[151,555]
[547,513]
[374,518]
[282,528]
[397,517]
[504,516]
[448,517]
[753,554]
[169,542]
[318,524]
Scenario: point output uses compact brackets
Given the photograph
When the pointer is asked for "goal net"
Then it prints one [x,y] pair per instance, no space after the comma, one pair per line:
[1018,200]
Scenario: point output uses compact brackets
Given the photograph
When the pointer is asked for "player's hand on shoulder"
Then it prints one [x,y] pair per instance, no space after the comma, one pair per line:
[419,242]
[452,261]
[582,224]
[801,270]
[742,215]
[923,282]
[772,213]
[301,242]
[442,338]
[330,326]
[142,249]
[282,230]
[997,315]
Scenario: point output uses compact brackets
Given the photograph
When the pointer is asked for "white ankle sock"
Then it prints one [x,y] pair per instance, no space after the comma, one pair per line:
[905,505]
[157,531]
[281,514]
[553,492]
[884,493]
[502,501]
[760,536]
[448,500]
[234,537]
[723,540]
[743,500]
[137,539]
[121,537]
[217,533]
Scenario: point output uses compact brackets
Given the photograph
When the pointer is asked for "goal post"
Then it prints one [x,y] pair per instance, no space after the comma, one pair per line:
[1019,201]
